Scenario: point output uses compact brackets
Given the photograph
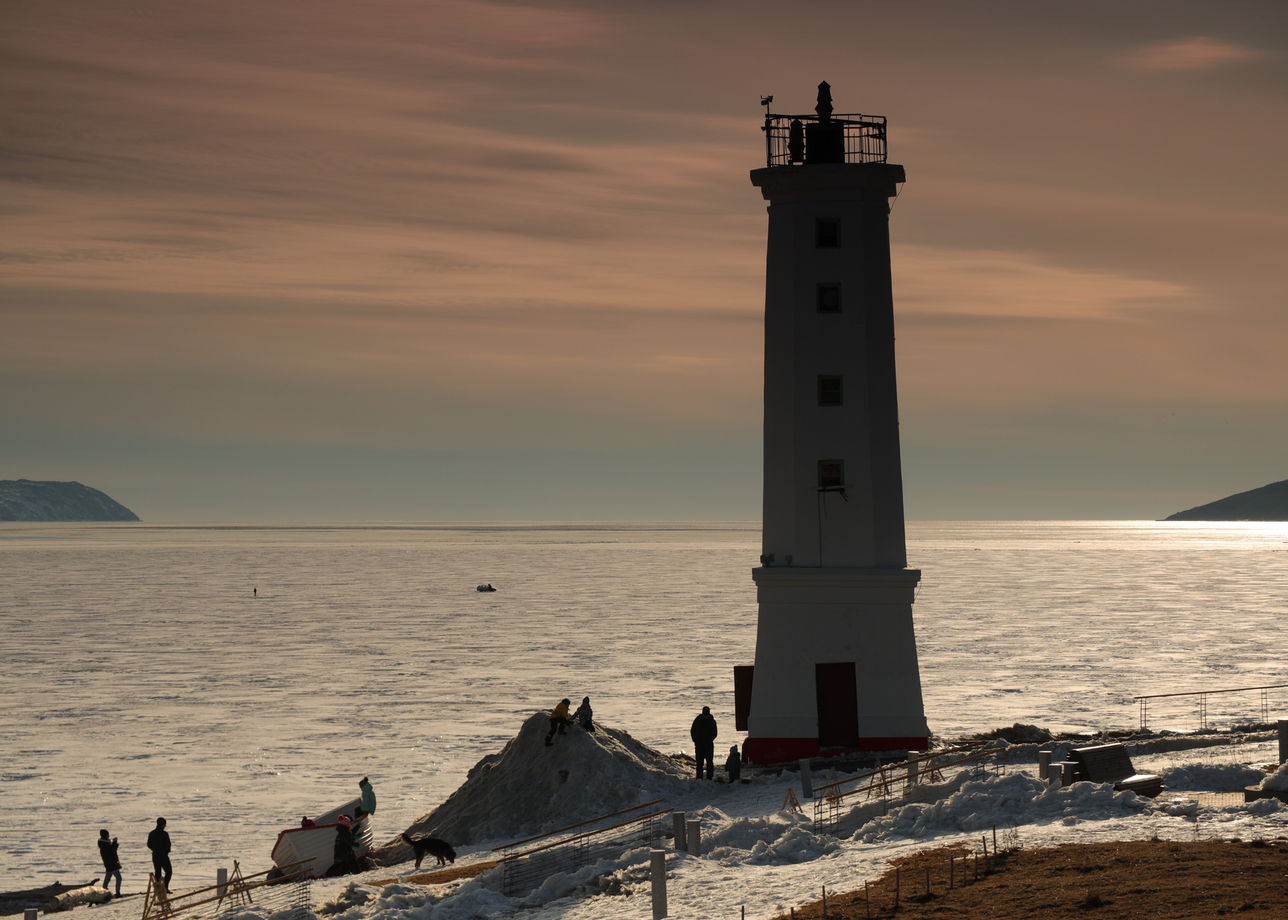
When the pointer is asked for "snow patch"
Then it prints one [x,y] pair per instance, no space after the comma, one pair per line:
[1211,777]
[984,803]
[774,840]
[1277,781]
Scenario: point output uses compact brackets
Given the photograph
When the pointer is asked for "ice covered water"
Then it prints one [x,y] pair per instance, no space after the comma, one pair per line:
[143,677]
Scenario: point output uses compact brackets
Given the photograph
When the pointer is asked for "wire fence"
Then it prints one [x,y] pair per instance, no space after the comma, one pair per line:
[892,782]
[527,863]
[283,892]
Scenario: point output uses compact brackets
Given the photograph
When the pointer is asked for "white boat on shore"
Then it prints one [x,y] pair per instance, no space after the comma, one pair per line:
[311,850]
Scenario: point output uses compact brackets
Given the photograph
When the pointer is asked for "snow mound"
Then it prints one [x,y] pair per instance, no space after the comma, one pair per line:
[762,844]
[781,839]
[1277,781]
[1211,777]
[1262,807]
[531,788]
[1001,801]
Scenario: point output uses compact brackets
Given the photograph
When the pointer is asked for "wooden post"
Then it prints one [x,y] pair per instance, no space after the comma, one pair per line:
[896,887]
[659,883]
[807,780]
[681,843]
[824,902]
[1283,741]
[867,901]
[694,826]
[156,902]
[221,880]
[31,913]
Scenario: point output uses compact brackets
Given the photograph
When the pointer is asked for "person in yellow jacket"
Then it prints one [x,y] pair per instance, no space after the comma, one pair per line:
[558,720]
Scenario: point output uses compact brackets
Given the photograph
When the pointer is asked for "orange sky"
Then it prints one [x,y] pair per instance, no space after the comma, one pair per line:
[479,260]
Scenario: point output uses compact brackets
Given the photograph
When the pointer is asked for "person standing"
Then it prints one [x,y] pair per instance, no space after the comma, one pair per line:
[345,858]
[368,796]
[704,733]
[111,861]
[159,844]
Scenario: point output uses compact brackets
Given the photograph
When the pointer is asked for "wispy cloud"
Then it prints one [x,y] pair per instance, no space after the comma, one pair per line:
[1200,52]
[997,284]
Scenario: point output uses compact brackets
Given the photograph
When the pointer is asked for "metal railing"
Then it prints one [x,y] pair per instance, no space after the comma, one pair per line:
[527,863]
[1142,702]
[788,138]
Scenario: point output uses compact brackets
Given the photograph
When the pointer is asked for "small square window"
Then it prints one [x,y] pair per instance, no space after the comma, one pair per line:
[827,233]
[828,297]
[830,390]
[831,474]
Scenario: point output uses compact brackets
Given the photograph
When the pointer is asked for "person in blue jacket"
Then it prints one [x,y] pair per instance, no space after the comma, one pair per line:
[368,796]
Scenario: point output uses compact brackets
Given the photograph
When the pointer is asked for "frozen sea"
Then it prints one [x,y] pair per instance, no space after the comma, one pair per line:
[233,678]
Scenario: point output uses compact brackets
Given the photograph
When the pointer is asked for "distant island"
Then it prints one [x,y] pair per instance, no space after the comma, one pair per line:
[28,500]
[1268,503]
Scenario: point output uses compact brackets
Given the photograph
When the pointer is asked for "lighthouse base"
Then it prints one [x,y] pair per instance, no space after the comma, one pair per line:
[790,750]
[836,664]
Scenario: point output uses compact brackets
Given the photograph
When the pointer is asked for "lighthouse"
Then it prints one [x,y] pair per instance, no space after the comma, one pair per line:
[836,657]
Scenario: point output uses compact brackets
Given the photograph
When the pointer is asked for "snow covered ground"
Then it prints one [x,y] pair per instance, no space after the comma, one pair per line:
[763,858]
[760,857]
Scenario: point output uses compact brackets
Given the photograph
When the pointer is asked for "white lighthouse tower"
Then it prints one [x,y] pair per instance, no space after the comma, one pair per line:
[836,657]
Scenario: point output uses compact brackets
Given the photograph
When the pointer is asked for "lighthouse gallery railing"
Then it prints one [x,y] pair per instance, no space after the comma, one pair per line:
[865,137]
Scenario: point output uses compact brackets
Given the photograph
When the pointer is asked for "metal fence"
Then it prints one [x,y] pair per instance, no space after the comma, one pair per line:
[1200,698]
[525,864]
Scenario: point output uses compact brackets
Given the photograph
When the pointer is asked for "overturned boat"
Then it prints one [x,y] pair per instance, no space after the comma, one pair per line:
[309,851]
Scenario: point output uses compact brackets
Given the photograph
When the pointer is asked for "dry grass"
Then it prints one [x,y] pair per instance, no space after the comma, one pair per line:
[440,876]
[1141,880]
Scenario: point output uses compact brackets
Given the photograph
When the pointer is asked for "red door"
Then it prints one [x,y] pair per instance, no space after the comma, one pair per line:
[838,705]
[742,681]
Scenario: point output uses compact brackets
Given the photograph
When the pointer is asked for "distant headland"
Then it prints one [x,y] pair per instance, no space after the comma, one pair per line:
[28,500]
[1268,503]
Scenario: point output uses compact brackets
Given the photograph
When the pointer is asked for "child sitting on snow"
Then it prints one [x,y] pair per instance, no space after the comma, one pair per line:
[733,764]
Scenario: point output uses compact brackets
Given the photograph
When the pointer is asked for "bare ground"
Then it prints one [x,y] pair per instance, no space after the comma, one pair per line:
[1140,880]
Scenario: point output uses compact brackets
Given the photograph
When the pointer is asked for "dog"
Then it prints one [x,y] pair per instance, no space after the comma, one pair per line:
[431,846]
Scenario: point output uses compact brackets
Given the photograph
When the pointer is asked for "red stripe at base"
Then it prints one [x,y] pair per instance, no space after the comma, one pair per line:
[786,750]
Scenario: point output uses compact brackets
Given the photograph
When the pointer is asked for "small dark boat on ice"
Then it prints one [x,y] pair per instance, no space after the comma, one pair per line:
[485,588]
